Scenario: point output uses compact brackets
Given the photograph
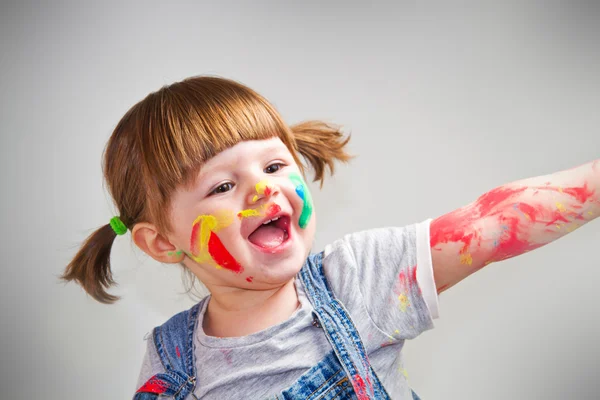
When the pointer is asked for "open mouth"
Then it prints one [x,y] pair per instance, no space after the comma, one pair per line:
[271,233]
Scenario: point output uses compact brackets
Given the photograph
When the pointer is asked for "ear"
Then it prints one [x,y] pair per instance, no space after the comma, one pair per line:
[156,245]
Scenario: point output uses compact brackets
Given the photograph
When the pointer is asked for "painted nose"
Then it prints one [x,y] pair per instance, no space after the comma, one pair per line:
[263,190]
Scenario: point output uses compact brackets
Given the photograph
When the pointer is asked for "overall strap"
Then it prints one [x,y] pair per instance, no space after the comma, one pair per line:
[174,342]
[340,331]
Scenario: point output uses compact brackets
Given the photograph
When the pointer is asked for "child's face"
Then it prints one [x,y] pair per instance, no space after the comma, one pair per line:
[221,223]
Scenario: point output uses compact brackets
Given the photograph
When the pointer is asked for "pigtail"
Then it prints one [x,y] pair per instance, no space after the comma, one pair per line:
[90,267]
[321,144]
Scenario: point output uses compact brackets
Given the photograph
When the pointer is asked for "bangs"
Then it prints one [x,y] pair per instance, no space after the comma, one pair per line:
[191,121]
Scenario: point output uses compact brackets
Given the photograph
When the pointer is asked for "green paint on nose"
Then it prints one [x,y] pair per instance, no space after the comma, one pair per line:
[304,194]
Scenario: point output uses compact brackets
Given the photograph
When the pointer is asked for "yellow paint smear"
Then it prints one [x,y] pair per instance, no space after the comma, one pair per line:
[249,213]
[466,259]
[560,207]
[208,224]
[260,189]
[404,372]
[572,227]
[404,303]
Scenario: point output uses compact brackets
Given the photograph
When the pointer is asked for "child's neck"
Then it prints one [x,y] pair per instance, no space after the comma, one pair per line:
[245,312]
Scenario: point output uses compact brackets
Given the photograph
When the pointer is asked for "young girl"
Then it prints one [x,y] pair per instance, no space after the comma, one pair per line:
[205,173]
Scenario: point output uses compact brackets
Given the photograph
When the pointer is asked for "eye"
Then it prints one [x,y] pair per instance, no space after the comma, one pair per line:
[222,188]
[271,169]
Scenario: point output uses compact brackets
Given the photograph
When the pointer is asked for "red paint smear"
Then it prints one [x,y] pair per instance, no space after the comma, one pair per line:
[272,210]
[406,280]
[359,388]
[442,288]
[154,385]
[528,210]
[581,194]
[194,238]
[249,279]
[221,256]
[177,351]
[267,191]
[460,225]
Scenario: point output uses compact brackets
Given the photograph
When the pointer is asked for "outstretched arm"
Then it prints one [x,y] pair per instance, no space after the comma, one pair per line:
[511,220]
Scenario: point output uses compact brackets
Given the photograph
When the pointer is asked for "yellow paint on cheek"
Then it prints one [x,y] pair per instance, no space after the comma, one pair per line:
[590,213]
[206,224]
[404,303]
[560,207]
[255,212]
[466,259]
[249,213]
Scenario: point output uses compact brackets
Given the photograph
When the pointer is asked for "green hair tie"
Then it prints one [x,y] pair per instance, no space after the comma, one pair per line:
[118,226]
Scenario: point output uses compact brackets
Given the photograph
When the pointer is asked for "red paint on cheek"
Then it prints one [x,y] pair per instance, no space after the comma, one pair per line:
[273,210]
[249,279]
[194,238]
[154,385]
[221,256]
[267,191]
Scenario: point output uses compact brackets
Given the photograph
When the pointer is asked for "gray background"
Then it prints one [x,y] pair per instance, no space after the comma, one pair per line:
[444,102]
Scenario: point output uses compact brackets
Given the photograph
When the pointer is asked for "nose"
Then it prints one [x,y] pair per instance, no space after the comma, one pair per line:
[262,190]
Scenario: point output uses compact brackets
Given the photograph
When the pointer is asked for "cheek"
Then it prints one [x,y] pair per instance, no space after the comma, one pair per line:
[301,193]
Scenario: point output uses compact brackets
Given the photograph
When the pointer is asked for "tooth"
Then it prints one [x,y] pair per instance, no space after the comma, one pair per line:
[266,222]
[275,219]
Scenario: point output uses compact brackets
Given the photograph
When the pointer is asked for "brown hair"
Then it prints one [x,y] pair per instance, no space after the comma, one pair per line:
[161,143]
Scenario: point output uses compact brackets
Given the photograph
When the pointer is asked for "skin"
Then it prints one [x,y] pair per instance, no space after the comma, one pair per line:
[508,221]
[511,220]
[263,294]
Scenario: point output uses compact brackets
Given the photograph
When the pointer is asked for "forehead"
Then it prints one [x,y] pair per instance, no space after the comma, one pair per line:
[243,152]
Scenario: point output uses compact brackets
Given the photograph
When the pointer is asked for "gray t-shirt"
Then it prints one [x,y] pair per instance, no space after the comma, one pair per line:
[374,274]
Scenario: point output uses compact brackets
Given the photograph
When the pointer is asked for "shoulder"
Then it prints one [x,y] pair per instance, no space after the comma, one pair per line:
[171,336]
[373,246]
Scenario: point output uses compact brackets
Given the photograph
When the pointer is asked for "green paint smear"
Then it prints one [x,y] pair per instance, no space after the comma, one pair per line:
[304,193]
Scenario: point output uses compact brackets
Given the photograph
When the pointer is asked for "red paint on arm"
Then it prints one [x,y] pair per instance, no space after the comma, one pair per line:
[221,256]
[249,279]
[509,221]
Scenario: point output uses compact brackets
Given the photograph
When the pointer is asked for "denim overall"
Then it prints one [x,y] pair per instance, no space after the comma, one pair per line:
[345,373]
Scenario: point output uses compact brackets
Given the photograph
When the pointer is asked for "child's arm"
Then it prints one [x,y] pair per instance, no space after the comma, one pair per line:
[511,220]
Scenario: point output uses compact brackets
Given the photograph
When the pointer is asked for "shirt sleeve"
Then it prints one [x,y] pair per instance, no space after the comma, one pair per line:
[393,272]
